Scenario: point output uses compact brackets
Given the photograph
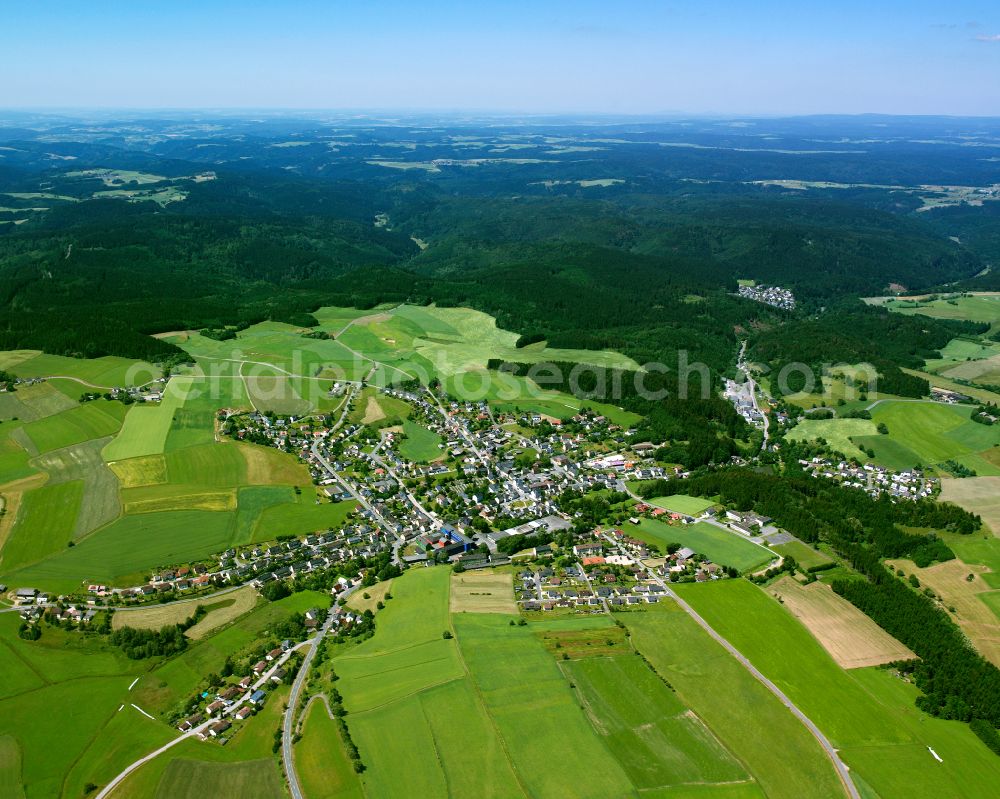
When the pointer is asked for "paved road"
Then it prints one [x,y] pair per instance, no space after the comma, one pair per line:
[288,730]
[842,770]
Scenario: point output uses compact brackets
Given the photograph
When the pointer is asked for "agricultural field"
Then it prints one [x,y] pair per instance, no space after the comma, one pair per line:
[74,426]
[323,768]
[253,779]
[979,495]
[368,598]
[306,513]
[978,307]
[100,373]
[31,402]
[142,471]
[146,426]
[378,410]
[400,342]
[681,503]
[419,444]
[974,601]
[10,768]
[171,493]
[483,591]
[868,713]
[123,551]
[100,502]
[529,701]
[658,741]
[748,720]
[720,546]
[71,690]
[838,433]
[45,523]
[851,638]
[221,610]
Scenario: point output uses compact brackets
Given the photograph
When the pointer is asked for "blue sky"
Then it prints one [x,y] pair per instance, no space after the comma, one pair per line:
[617,56]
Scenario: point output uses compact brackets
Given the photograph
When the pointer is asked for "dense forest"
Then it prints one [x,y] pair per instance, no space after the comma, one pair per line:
[635,247]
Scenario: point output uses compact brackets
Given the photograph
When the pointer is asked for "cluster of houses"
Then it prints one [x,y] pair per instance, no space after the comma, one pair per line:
[741,396]
[875,480]
[239,699]
[775,296]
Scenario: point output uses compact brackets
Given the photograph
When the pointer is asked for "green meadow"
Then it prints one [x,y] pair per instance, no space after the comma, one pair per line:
[323,768]
[74,426]
[658,741]
[868,714]
[750,722]
[67,689]
[44,524]
[975,308]
[804,555]
[420,444]
[101,373]
[681,503]
[720,546]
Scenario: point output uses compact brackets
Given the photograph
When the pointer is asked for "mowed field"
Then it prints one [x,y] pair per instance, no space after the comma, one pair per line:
[851,638]
[419,445]
[720,546]
[806,556]
[750,722]
[682,503]
[254,779]
[60,724]
[221,610]
[504,724]
[660,743]
[979,307]
[975,601]
[977,495]
[322,767]
[868,713]
[483,591]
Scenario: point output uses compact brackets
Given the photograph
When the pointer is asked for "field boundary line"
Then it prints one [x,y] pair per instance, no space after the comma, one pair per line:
[493,723]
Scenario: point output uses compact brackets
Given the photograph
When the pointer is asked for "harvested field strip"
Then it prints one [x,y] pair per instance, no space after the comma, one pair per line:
[172,497]
[484,591]
[224,610]
[977,495]
[851,638]
[950,581]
